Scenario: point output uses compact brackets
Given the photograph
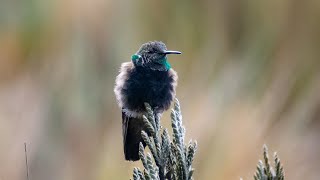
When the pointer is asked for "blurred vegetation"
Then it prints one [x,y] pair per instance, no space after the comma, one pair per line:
[249,75]
[267,171]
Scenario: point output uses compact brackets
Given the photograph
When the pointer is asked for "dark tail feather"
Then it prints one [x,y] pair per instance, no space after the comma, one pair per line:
[131,129]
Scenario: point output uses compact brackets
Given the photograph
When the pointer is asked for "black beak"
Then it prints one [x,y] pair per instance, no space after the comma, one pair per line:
[172,52]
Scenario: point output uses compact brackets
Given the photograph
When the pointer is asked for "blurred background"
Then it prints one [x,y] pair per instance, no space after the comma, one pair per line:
[249,74]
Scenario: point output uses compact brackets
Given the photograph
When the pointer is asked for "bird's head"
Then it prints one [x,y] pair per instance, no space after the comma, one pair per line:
[153,55]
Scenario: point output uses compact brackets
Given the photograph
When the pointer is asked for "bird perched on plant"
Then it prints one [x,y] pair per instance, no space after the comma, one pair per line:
[148,78]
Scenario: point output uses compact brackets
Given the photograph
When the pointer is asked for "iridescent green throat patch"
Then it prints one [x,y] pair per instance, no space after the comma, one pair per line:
[135,57]
[166,63]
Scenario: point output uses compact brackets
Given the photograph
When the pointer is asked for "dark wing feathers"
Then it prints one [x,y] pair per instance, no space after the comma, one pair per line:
[131,129]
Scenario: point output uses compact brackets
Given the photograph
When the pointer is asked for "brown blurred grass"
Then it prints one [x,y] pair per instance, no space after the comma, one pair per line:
[249,75]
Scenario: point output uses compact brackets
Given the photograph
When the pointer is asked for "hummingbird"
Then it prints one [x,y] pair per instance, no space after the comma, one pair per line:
[147,78]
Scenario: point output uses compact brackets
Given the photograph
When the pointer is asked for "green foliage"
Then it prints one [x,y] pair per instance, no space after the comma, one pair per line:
[265,170]
[168,159]
[172,159]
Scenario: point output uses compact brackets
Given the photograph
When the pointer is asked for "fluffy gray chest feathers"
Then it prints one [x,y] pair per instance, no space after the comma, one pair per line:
[137,85]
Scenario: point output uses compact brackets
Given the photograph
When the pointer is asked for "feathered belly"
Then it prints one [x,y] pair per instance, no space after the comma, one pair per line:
[159,93]
[154,87]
